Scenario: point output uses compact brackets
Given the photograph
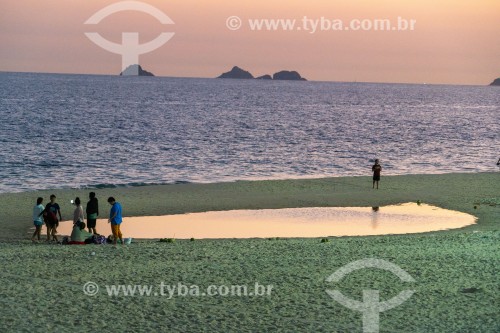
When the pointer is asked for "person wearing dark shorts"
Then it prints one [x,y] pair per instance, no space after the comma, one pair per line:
[54,208]
[92,212]
[51,223]
[376,168]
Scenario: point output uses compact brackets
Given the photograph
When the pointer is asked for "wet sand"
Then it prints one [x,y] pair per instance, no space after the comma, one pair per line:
[458,192]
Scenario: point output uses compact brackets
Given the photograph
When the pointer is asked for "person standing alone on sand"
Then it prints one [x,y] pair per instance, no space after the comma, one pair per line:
[92,212]
[37,218]
[115,218]
[376,168]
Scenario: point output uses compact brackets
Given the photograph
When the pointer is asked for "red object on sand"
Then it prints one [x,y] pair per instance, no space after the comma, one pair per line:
[76,243]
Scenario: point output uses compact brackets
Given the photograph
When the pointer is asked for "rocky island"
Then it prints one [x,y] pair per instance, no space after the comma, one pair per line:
[135,70]
[238,73]
[265,77]
[288,75]
[495,82]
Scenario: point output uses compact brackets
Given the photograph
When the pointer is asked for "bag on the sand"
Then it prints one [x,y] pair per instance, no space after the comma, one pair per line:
[109,240]
[65,240]
[99,239]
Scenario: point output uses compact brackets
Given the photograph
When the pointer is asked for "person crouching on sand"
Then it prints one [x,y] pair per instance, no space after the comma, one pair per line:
[376,168]
[115,218]
[79,235]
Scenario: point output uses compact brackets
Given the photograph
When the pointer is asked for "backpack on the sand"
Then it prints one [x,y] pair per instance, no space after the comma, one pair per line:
[99,239]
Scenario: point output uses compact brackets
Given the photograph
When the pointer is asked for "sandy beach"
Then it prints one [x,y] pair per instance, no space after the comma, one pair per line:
[455,271]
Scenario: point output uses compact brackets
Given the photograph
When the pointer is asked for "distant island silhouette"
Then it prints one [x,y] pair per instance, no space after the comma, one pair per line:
[238,73]
[135,70]
[495,82]
[265,77]
[288,75]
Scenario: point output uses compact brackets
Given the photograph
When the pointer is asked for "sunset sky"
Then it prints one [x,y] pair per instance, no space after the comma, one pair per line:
[454,41]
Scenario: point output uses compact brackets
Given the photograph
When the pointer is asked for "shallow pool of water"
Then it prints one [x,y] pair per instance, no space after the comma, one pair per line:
[290,222]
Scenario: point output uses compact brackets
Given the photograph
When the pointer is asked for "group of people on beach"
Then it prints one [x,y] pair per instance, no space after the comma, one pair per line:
[47,215]
[50,215]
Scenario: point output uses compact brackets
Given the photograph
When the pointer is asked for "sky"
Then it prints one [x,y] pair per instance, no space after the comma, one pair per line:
[453,41]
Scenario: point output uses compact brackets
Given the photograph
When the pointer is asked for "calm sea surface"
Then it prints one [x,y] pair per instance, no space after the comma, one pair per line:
[70,131]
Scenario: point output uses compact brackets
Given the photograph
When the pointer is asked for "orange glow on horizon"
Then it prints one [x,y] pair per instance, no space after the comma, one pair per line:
[454,41]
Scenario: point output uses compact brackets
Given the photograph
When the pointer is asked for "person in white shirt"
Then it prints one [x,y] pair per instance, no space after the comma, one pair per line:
[38,218]
[78,213]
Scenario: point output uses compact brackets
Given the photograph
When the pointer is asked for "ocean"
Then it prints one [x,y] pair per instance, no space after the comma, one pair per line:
[90,131]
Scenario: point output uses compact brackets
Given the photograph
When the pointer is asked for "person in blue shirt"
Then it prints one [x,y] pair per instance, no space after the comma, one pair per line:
[37,218]
[115,218]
